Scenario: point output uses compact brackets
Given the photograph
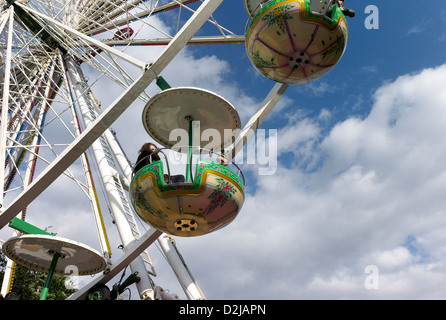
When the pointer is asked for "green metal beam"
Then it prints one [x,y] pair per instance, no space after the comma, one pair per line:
[162,84]
[49,277]
[26,227]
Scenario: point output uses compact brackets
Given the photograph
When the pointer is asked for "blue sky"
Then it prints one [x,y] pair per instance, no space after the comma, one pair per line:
[360,174]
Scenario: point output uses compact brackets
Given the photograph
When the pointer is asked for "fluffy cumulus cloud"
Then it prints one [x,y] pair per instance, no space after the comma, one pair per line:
[366,223]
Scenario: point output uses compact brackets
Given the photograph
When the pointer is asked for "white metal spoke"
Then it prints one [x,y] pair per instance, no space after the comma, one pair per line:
[195,40]
[88,39]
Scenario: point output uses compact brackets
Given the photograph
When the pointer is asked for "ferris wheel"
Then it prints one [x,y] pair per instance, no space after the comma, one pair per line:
[51,119]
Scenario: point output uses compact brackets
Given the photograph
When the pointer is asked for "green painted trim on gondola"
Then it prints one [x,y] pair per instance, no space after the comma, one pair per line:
[163,189]
[305,13]
[336,16]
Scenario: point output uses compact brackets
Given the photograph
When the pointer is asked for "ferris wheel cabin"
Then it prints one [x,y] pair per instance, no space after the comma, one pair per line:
[211,194]
[294,41]
[207,203]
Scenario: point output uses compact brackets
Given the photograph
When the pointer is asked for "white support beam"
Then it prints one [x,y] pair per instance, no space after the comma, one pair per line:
[182,272]
[107,176]
[163,41]
[256,120]
[3,133]
[106,251]
[133,251]
[5,104]
[105,120]
[4,17]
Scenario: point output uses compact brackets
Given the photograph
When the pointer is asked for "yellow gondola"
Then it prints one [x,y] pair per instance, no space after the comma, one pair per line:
[289,43]
[210,198]
[210,202]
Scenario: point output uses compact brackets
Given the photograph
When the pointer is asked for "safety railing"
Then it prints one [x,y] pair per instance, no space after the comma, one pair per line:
[173,156]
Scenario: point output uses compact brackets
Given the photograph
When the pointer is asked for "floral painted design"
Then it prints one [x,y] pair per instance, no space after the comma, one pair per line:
[141,202]
[259,61]
[218,197]
[278,17]
[336,47]
[201,168]
[219,168]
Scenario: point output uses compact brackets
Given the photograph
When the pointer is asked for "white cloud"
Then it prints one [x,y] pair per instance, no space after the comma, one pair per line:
[318,88]
[399,257]
[369,69]
[415,29]
[420,26]
[311,235]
